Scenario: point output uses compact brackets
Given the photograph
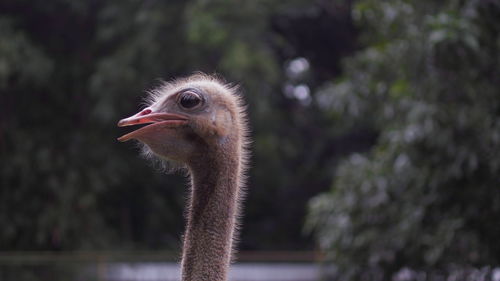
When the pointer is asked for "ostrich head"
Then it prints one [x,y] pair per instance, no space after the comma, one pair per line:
[200,122]
[188,118]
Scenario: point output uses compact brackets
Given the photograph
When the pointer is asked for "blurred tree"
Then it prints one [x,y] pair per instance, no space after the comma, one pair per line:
[70,69]
[428,194]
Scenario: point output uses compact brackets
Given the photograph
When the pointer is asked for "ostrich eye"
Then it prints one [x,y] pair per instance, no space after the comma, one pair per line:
[189,100]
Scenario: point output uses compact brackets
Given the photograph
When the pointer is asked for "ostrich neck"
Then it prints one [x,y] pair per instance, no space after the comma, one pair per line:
[211,219]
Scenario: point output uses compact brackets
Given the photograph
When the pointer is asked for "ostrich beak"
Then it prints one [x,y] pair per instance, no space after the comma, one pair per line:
[157,120]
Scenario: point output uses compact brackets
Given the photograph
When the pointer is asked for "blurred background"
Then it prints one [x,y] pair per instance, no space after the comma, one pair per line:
[375,126]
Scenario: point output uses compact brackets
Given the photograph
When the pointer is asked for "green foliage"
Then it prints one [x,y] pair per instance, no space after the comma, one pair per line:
[428,193]
[70,69]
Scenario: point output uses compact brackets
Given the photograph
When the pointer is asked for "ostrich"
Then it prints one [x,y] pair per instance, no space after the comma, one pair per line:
[200,123]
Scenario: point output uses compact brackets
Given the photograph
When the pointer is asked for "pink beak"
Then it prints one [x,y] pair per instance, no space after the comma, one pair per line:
[148,116]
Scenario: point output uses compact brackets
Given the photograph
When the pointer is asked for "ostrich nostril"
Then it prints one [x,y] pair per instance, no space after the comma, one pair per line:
[145,112]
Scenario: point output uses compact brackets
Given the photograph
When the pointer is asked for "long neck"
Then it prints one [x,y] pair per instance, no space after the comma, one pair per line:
[212,217]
